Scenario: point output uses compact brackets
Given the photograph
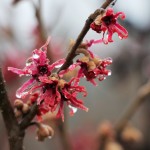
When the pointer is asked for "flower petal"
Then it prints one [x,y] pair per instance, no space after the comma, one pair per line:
[23,90]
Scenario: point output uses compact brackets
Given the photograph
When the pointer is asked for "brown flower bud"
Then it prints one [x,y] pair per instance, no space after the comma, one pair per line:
[61,83]
[25,108]
[131,134]
[106,130]
[84,59]
[44,131]
[96,61]
[112,145]
[91,65]
[18,104]
[17,113]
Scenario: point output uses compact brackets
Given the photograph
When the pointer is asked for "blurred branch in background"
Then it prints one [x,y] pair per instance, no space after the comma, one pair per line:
[142,94]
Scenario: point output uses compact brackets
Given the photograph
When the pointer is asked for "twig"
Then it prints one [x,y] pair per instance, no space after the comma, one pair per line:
[43,35]
[15,135]
[69,60]
[82,34]
[142,94]
[62,127]
[29,117]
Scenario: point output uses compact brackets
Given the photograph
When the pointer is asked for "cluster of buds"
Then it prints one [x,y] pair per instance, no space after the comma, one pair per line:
[107,137]
[110,138]
[21,108]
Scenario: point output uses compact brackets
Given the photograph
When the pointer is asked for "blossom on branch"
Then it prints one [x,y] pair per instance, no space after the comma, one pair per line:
[93,68]
[55,92]
[108,23]
[37,65]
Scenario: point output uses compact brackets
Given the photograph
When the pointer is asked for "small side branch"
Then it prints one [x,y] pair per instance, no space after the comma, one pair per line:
[29,117]
[142,94]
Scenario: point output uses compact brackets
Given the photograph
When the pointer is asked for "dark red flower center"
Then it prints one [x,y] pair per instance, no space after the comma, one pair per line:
[90,75]
[50,86]
[43,69]
[108,20]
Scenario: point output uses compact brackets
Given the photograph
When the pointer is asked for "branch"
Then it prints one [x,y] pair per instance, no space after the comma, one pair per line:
[5,107]
[15,135]
[91,18]
[28,118]
[43,35]
[142,94]
[62,128]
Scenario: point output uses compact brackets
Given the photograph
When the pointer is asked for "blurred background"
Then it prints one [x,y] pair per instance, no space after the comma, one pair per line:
[20,33]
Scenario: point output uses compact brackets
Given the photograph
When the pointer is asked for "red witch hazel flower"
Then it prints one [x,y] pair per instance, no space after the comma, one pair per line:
[55,92]
[108,22]
[91,67]
[36,66]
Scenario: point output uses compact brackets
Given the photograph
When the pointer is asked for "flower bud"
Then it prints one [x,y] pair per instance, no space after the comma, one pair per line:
[44,131]
[17,113]
[25,108]
[91,65]
[18,104]
[105,130]
[131,134]
[113,146]
[84,59]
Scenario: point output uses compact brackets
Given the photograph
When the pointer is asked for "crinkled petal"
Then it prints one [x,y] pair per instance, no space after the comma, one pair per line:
[44,47]
[70,68]
[110,33]
[45,79]
[60,111]
[120,14]
[24,89]
[93,82]
[56,64]
[122,31]
[17,71]
[109,12]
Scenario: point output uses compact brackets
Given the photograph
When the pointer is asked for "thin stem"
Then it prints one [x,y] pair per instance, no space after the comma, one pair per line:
[91,18]
[140,98]
[62,127]
[42,32]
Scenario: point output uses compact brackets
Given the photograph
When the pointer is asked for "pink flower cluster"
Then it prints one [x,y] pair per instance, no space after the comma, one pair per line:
[53,90]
